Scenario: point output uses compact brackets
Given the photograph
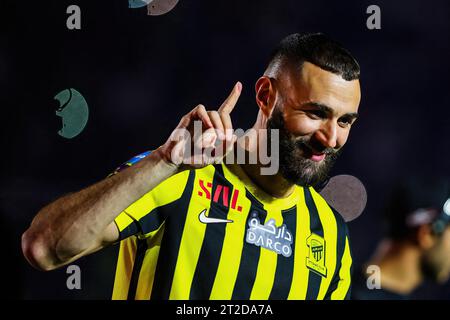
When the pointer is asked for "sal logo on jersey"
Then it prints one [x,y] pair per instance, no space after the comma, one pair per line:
[219,190]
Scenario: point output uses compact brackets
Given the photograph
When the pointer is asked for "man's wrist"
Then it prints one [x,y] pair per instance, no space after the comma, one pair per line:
[165,158]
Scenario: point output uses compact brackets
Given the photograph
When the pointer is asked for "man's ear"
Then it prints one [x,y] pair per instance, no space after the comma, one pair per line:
[265,95]
[425,237]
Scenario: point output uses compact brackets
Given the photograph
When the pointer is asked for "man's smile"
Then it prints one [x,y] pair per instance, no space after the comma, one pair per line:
[311,154]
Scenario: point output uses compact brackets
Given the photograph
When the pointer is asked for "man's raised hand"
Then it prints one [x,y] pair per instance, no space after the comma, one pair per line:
[203,137]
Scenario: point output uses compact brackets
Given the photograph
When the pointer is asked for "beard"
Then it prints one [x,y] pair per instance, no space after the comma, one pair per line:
[293,165]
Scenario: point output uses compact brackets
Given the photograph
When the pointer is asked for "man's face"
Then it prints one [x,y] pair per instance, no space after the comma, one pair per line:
[436,261]
[314,111]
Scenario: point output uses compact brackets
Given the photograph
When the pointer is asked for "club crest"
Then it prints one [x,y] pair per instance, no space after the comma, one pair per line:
[316,254]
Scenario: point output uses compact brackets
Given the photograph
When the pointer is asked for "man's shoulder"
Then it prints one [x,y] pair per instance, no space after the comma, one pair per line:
[333,212]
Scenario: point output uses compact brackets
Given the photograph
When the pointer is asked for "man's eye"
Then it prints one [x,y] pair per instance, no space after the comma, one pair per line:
[316,114]
[345,122]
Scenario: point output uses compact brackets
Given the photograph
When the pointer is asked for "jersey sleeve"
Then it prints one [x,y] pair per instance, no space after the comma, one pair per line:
[146,215]
[340,287]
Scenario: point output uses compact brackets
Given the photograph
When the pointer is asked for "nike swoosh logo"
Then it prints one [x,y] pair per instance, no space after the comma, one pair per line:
[204,219]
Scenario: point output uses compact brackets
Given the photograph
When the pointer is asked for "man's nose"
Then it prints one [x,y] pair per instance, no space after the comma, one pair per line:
[327,134]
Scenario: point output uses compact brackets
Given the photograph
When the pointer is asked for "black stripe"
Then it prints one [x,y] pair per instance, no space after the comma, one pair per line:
[315,227]
[209,258]
[153,220]
[170,243]
[250,255]
[341,234]
[129,230]
[138,260]
[285,266]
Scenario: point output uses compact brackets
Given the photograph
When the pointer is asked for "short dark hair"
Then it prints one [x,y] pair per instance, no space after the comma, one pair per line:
[319,50]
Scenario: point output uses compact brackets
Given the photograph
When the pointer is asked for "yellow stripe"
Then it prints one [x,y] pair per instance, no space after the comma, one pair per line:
[123,220]
[166,192]
[147,272]
[300,275]
[191,240]
[329,225]
[344,274]
[233,244]
[267,265]
[124,268]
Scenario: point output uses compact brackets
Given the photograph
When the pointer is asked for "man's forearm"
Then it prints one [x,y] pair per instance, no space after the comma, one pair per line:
[76,223]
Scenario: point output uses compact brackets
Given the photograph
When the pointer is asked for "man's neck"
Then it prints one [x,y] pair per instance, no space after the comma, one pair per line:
[274,185]
[399,263]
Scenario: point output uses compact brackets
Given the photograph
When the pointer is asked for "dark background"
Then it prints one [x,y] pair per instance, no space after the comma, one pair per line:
[140,74]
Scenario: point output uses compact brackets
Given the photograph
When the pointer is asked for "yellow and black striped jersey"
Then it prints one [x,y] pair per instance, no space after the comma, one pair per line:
[210,233]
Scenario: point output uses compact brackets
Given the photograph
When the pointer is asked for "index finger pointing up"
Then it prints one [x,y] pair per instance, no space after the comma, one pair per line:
[229,103]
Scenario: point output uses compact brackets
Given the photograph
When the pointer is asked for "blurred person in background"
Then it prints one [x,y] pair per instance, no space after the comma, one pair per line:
[417,242]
